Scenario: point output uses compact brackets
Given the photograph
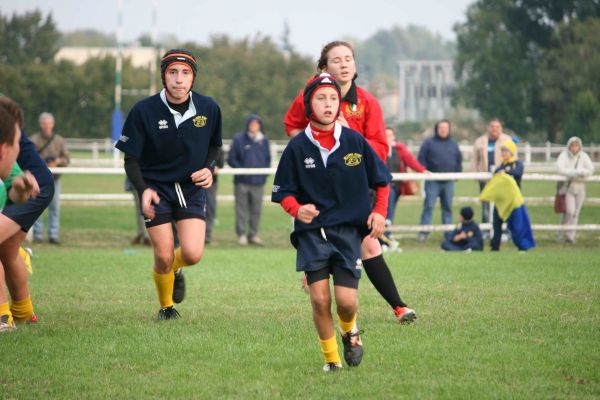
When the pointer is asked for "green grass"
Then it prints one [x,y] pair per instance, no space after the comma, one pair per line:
[504,325]
[491,325]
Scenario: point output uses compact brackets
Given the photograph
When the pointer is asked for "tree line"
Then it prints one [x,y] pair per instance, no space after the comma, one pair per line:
[534,64]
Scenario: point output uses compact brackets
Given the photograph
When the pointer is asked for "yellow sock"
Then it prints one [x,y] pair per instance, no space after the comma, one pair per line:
[27,258]
[22,310]
[178,260]
[5,310]
[164,288]
[329,347]
[346,326]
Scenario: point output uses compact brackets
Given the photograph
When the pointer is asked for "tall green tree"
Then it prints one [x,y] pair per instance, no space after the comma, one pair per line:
[570,77]
[250,76]
[501,49]
[28,38]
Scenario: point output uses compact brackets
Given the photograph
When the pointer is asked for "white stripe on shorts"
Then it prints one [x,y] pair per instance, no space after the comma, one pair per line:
[180,195]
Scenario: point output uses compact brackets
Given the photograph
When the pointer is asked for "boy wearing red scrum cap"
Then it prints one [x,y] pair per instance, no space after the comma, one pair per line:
[361,112]
[171,143]
[322,180]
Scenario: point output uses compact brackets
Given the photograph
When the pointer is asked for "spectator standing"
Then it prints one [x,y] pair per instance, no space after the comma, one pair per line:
[249,149]
[142,234]
[487,155]
[53,150]
[439,153]
[576,165]
[211,200]
[399,158]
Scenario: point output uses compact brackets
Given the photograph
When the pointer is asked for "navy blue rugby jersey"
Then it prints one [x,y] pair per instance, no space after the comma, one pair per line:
[338,190]
[165,152]
[28,159]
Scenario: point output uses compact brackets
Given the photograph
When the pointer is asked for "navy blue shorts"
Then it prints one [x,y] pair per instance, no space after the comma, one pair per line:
[25,214]
[332,251]
[177,201]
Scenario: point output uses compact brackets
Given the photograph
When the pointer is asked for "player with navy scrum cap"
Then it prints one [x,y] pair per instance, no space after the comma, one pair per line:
[323,180]
[171,143]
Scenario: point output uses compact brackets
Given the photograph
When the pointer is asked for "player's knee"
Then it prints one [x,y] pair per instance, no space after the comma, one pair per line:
[192,256]
[346,306]
[370,248]
[321,303]
[163,261]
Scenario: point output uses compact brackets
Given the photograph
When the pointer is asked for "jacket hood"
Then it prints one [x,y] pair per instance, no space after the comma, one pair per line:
[254,117]
[435,129]
[574,139]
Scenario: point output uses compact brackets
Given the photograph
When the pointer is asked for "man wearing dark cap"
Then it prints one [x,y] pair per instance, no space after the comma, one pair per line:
[466,236]
[171,143]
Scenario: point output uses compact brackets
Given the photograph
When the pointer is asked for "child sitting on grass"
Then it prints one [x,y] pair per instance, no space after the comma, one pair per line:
[466,236]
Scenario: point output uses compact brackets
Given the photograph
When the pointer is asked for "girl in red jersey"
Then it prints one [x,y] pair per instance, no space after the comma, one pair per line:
[361,112]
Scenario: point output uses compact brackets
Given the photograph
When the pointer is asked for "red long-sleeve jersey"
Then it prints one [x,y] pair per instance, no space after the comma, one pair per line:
[360,108]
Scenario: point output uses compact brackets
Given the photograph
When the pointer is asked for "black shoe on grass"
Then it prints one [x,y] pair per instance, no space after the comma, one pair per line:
[167,313]
[353,349]
[179,287]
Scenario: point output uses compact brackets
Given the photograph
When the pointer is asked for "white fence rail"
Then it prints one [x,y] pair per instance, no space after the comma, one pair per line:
[531,154]
[409,176]
[99,199]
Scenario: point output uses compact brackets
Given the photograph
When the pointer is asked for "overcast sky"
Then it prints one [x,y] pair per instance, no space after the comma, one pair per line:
[312,22]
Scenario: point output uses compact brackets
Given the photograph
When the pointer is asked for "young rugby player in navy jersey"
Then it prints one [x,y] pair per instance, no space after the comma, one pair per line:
[361,112]
[171,143]
[323,181]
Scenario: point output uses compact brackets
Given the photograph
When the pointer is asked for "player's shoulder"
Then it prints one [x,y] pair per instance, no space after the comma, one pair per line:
[147,104]
[350,134]
[363,94]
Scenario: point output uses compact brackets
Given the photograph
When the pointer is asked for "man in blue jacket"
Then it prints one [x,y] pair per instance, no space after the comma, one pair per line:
[249,149]
[439,154]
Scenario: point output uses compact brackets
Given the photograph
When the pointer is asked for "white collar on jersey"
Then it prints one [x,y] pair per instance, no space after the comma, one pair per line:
[179,119]
[337,132]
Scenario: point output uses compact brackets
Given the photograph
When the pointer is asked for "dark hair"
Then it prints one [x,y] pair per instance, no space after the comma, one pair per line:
[327,48]
[13,108]
[496,119]
[7,127]
[390,128]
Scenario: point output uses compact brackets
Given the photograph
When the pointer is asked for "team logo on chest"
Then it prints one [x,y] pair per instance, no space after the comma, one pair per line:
[199,121]
[352,159]
[309,162]
[163,124]
[354,110]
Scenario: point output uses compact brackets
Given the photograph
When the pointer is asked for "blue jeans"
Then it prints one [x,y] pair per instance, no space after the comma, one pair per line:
[445,191]
[392,201]
[53,217]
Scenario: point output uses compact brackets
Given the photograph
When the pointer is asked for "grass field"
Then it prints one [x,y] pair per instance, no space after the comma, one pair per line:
[491,325]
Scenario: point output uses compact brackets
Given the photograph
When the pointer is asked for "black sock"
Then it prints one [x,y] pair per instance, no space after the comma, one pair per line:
[381,277]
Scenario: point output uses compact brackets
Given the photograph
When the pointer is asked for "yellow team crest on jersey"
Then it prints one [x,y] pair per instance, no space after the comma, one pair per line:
[199,121]
[352,159]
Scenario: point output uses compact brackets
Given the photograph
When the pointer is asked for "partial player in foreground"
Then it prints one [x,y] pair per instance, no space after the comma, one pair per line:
[360,111]
[16,186]
[323,181]
[17,218]
[171,143]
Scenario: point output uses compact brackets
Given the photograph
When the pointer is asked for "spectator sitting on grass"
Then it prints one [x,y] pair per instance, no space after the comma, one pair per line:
[466,236]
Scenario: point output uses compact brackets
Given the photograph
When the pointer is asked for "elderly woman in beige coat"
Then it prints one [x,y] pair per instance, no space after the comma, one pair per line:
[576,165]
